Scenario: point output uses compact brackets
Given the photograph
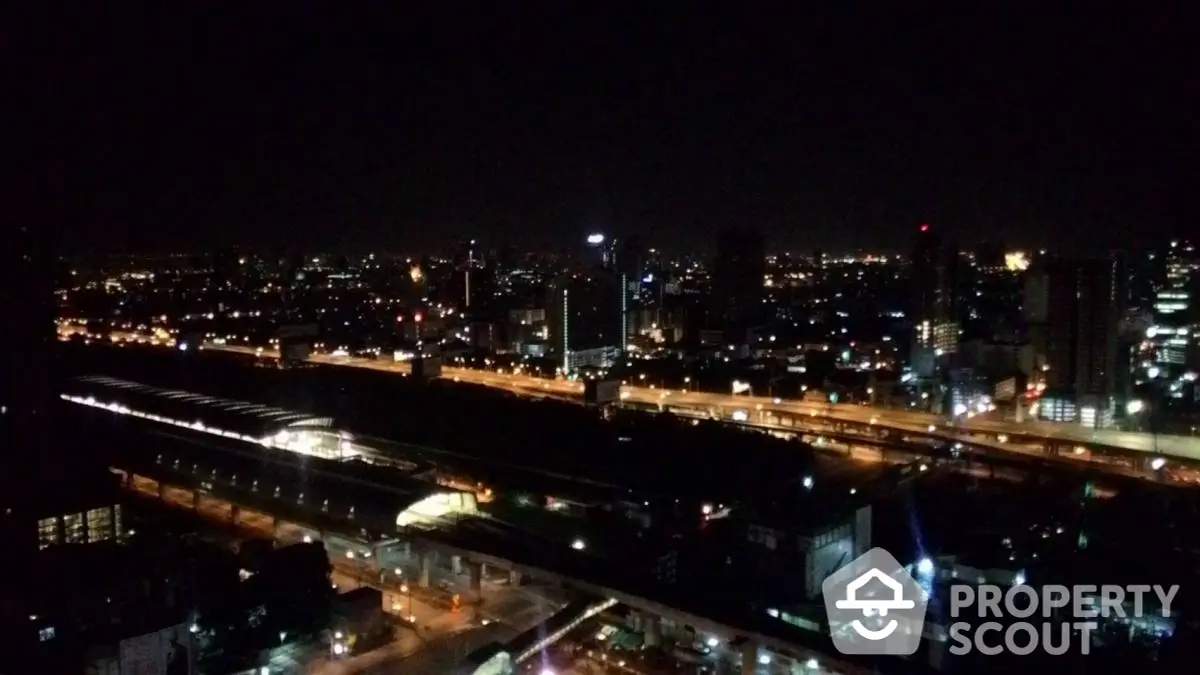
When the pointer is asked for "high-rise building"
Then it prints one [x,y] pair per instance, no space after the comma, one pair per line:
[601,251]
[586,316]
[39,483]
[465,282]
[1171,333]
[934,271]
[738,274]
[1084,302]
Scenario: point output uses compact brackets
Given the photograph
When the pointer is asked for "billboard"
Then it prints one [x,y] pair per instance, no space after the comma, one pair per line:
[170,651]
[599,392]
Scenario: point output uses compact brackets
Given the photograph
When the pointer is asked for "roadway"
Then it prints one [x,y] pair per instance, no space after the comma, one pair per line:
[900,420]
[722,405]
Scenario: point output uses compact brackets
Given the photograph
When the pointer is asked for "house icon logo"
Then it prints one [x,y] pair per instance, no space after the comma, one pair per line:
[874,606]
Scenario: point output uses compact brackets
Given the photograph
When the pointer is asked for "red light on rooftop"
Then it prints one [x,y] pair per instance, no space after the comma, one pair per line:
[417,317]
[925,227]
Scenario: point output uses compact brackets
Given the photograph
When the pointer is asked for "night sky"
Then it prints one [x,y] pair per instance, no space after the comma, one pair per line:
[272,123]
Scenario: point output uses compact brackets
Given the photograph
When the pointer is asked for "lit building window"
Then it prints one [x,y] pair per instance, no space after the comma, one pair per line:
[73,530]
[47,532]
[99,524]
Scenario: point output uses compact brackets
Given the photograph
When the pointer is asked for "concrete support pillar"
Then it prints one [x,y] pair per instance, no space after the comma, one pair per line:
[514,578]
[651,631]
[275,527]
[749,658]
[423,562]
[456,564]
[196,496]
[161,489]
[476,585]
[234,510]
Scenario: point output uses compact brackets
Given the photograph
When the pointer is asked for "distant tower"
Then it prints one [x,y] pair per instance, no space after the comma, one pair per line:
[933,271]
[587,318]
[1082,304]
[467,274]
[614,261]
[737,281]
[1170,334]
[464,256]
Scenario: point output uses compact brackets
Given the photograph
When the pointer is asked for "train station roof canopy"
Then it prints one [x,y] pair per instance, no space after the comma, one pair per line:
[240,417]
[344,488]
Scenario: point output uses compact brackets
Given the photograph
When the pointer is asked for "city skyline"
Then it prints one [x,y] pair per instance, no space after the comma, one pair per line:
[594,339]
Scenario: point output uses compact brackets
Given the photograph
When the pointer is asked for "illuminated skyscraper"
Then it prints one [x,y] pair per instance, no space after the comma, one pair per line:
[933,271]
[1171,333]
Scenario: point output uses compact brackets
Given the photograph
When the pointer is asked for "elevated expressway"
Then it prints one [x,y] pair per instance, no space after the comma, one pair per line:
[1133,451]
[1103,449]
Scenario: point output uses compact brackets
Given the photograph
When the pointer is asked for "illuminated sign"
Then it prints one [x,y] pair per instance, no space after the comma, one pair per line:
[595,239]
